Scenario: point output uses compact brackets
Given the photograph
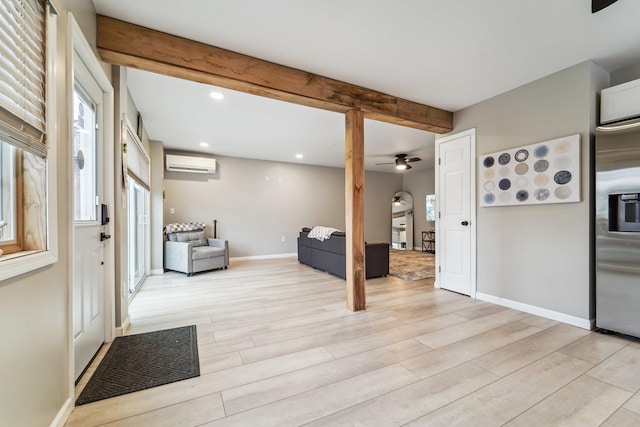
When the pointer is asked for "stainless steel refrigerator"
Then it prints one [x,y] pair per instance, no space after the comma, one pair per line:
[617,236]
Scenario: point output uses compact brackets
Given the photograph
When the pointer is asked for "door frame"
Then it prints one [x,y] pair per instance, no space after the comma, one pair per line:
[79,44]
[472,204]
[146,193]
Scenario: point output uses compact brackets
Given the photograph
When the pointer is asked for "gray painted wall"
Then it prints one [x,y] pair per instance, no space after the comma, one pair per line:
[379,188]
[625,75]
[258,202]
[538,255]
[419,184]
[119,210]
[156,214]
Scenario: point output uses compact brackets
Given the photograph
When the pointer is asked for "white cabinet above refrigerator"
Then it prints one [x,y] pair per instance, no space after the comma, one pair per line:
[620,102]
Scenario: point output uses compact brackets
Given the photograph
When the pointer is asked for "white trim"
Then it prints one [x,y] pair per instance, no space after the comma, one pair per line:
[121,330]
[78,44]
[472,208]
[26,263]
[156,272]
[63,414]
[538,311]
[274,256]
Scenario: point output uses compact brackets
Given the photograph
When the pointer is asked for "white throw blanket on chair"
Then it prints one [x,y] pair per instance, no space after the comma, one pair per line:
[321,233]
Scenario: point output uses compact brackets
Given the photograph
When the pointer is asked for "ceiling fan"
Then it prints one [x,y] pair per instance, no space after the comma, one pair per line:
[598,5]
[397,200]
[402,163]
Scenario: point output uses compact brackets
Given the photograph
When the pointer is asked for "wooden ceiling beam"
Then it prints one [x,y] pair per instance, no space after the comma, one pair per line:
[124,44]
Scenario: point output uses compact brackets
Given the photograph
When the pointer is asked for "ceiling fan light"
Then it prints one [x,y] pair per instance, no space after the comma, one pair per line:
[401,166]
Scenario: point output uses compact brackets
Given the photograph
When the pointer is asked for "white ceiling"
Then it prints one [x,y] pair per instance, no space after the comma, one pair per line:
[447,54]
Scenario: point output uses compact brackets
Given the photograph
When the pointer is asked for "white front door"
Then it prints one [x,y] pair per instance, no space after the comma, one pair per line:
[88,261]
[455,224]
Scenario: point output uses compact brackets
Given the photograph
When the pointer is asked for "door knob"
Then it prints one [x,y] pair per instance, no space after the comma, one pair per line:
[465,223]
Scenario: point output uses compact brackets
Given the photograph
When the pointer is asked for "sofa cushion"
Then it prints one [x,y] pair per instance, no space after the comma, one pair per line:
[202,252]
[335,244]
[304,240]
[195,237]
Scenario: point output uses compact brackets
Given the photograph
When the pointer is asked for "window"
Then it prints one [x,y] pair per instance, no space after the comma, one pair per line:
[431,207]
[138,199]
[139,178]
[8,195]
[84,147]
[23,133]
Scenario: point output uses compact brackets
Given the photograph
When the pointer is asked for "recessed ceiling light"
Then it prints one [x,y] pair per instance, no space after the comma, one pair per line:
[299,156]
[216,95]
[204,144]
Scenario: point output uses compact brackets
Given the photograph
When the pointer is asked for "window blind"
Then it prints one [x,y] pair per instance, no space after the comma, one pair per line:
[23,74]
[138,163]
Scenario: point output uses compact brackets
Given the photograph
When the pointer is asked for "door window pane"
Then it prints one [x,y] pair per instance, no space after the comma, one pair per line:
[137,201]
[84,157]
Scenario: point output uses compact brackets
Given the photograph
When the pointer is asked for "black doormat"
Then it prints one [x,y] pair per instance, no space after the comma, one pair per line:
[138,362]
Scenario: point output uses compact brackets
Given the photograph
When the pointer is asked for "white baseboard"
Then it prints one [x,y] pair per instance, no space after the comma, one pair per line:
[274,256]
[588,324]
[120,330]
[157,272]
[63,413]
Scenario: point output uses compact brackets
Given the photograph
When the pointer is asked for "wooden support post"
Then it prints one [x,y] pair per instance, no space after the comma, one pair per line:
[354,209]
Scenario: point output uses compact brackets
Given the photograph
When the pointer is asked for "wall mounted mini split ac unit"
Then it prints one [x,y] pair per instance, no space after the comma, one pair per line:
[176,163]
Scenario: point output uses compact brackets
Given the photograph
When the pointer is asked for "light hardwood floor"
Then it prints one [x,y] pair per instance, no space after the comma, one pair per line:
[278,348]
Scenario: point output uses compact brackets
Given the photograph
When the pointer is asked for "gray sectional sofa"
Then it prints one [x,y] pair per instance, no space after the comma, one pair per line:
[330,255]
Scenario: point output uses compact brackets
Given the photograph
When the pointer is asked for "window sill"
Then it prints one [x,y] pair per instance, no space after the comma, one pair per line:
[15,264]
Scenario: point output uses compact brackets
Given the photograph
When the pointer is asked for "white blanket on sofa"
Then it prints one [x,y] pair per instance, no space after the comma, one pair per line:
[321,233]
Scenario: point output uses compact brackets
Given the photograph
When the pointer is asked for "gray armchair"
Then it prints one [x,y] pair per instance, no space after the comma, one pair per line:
[190,252]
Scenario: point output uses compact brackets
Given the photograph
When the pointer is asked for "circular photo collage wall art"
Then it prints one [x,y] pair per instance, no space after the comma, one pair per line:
[546,172]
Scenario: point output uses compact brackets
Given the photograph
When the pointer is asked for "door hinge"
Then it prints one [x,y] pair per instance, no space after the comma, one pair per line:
[439,161]
[439,269]
[97,200]
[97,126]
[439,215]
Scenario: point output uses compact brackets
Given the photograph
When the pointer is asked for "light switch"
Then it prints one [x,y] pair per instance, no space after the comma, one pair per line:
[172,211]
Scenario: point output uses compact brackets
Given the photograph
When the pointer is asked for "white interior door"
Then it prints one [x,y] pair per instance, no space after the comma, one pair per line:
[89,251]
[455,224]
